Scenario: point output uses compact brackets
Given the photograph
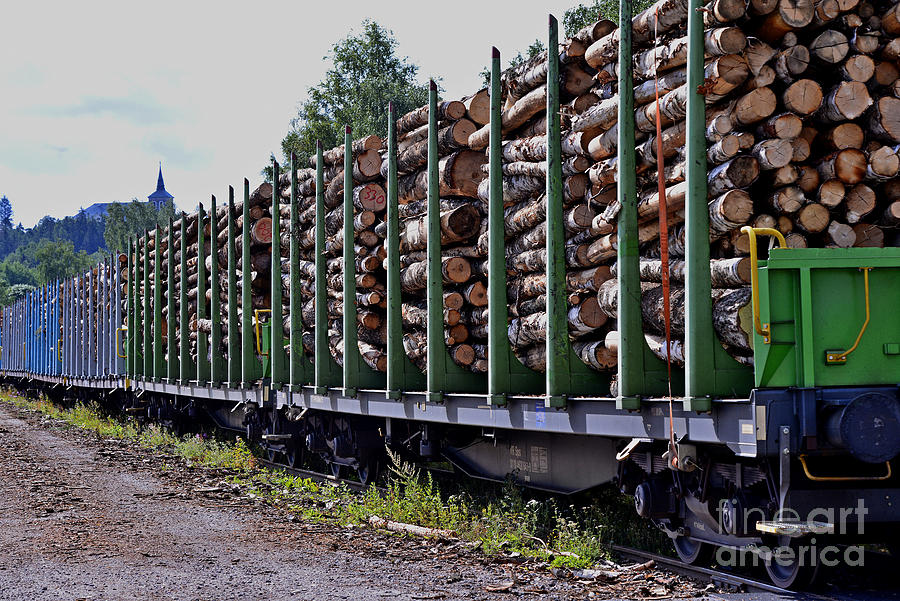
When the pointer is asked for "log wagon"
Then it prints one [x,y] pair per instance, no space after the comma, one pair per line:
[559,278]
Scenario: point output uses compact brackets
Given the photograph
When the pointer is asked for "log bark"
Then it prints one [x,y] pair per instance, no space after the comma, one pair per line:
[513,117]
[884,119]
[447,110]
[457,225]
[459,175]
[450,138]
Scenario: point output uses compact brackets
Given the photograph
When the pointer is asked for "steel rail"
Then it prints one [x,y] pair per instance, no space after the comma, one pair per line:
[718,577]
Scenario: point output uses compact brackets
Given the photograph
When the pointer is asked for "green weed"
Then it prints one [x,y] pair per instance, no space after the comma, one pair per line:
[499,518]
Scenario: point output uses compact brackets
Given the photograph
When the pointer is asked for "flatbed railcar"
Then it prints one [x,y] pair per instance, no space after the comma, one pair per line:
[797,448]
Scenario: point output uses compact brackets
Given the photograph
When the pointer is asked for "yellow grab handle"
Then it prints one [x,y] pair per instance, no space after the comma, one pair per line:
[761,328]
[886,476]
[256,314]
[836,357]
[120,355]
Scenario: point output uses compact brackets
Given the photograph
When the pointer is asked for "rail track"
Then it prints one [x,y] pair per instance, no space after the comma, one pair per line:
[729,581]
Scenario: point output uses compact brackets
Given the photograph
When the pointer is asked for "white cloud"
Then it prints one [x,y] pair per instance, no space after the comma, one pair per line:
[94,94]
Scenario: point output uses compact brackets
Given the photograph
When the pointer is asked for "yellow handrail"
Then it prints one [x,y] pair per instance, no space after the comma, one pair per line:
[120,355]
[832,357]
[885,476]
[761,328]
[256,314]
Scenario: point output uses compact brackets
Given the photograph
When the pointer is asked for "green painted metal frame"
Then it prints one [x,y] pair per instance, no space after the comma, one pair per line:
[709,371]
[187,368]
[640,372]
[814,301]
[506,374]
[204,365]
[218,363]
[278,366]
[300,368]
[251,367]
[566,374]
[234,340]
[357,373]
[172,368]
[402,374]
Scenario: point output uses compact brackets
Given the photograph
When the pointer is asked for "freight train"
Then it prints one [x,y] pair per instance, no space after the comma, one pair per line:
[779,461]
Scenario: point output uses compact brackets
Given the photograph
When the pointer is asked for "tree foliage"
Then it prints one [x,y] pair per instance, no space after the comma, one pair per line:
[57,248]
[365,75]
[126,220]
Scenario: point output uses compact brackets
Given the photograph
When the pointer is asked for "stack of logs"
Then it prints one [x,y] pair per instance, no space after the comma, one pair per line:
[803,122]
[463,227]
[369,203]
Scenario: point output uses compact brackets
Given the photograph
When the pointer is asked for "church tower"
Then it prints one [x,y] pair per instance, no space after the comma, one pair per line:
[161,196]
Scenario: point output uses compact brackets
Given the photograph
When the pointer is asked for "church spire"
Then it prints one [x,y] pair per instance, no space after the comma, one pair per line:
[161,196]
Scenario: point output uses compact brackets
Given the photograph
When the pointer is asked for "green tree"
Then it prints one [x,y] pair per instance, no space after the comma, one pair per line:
[6,213]
[133,219]
[15,272]
[13,293]
[58,260]
[365,75]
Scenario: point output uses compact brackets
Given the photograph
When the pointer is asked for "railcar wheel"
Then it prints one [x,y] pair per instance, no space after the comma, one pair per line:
[336,469]
[793,569]
[292,455]
[692,551]
[367,471]
[271,427]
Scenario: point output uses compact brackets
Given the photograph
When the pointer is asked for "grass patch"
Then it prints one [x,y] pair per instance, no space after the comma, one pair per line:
[571,532]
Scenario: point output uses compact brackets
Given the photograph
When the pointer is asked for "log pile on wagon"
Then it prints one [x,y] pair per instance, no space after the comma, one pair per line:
[803,126]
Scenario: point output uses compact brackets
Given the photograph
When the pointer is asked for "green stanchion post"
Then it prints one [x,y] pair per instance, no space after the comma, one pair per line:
[251,368]
[277,359]
[298,361]
[234,339]
[172,371]
[506,374]
[204,366]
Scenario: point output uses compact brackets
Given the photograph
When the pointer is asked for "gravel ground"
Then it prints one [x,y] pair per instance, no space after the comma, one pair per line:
[82,518]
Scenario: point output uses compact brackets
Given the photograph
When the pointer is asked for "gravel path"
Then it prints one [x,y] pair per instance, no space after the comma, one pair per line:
[82,518]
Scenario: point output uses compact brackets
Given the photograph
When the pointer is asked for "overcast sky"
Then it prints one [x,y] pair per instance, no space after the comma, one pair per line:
[93,95]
